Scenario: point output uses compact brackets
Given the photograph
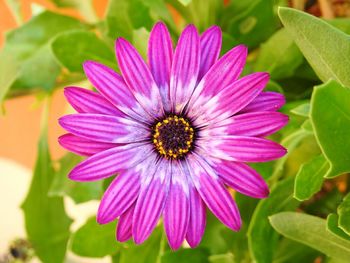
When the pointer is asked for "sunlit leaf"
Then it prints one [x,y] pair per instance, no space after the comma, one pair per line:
[46,222]
[261,236]
[72,48]
[344,214]
[309,179]
[333,227]
[326,48]
[94,240]
[311,231]
[302,110]
[330,115]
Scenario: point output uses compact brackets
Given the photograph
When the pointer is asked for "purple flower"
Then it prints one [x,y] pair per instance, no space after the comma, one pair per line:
[178,131]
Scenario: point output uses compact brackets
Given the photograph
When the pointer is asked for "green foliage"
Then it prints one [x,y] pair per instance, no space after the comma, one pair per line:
[46,222]
[311,231]
[94,240]
[330,108]
[323,53]
[344,215]
[309,179]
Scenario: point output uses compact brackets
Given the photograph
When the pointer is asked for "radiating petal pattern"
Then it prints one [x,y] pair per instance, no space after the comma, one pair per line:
[139,78]
[160,56]
[151,201]
[124,228]
[87,101]
[177,209]
[82,146]
[213,193]
[248,124]
[104,128]
[185,68]
[242,178]
[113,88]
[210,42]
[265,101]
[242,148]
[176,132]
[107,163]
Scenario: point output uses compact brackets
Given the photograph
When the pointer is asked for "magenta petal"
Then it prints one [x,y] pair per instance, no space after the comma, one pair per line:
[87,101]
[113,88]
[214,193]
[104,128]
[121,193]
[139,78]
[124,228]
[265,101]
[176,211]
[223,73]
[242,178]
[243,149]
[160,55]
[248,124]
[196,225]
[109,162]
[229,100]
[151,201]
[82,146]
[185,68]
[210,42]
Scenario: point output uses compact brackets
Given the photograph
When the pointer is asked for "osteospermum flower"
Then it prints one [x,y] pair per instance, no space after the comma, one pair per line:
[178,131]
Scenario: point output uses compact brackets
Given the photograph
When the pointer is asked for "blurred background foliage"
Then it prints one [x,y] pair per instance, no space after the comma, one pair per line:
[307,216]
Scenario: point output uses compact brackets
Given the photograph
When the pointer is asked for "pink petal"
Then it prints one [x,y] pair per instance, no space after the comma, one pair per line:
[242,178]
[107,163]
[160,55]
[113,88]
[229,100]
[265,101]
[124,228]
[196,225]
[139,78]
[214,193]
[104,128]
[242,149]
[210,49]
[176,211]
[151,201]
[248,124]
[185,67]
[82,146]
[223,73]
[87,101]
[121,193]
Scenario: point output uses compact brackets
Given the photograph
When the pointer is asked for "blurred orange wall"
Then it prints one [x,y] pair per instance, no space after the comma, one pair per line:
[20,125]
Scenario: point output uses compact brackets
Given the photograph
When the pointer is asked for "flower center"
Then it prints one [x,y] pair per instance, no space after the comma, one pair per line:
[173,137]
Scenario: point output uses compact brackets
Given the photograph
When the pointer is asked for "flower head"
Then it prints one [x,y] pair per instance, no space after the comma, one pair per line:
[178,131]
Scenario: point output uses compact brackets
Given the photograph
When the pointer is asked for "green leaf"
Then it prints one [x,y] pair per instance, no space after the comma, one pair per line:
[279,55]
[330,116]
[29,46]
[74,47]
[262,239]
[250,21]
[326,48]
[123,16]
[311,231]
[302,110]
[221,258]
[8,73]
[16,8]
[344,214]
[197,255]
[46,222]
[149,251]
[309,179]
[94,240]
[333,227]
[79,191]
[85,7]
